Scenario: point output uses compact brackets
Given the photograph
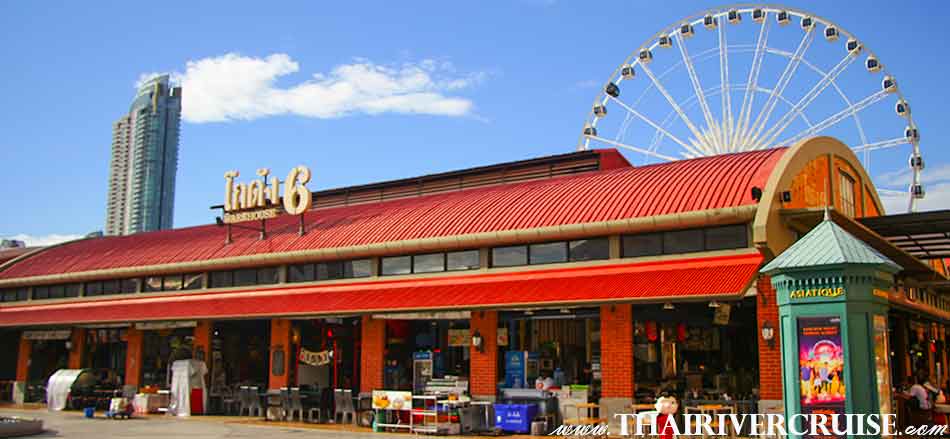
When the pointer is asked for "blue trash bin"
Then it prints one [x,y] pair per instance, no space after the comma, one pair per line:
[90,412]
[515,418]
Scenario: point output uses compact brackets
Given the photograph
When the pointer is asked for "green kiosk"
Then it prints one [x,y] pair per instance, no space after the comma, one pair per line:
[832,290]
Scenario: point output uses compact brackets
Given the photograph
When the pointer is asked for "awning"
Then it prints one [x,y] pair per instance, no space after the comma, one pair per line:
[721,277]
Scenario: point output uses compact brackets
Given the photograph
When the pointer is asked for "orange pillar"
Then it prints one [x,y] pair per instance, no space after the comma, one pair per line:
[202,344]
[372,353]
[78,339]
[133,357]
[280,332]
[23,359]
[770,358]
[483,365]
[616,351]
[616,361]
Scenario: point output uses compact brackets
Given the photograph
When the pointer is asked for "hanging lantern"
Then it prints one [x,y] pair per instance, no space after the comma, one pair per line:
[651,331]
[681,332]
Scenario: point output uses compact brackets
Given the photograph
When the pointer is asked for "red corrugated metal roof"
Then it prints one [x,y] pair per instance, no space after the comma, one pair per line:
[709,277]
[668,188]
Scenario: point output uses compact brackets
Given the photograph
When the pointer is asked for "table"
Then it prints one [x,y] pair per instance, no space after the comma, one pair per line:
[587,420]
[150,402]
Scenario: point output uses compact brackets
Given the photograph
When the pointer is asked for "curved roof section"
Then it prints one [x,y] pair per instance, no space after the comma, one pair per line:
[632,192]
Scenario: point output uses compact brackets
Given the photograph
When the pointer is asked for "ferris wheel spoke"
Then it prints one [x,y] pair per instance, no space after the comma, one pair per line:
[689,124]
[837,117]
[632,148]
[826,80]
[694,79]
[762,119]
[752,83]
[655,125]
[867,147]
[726,126]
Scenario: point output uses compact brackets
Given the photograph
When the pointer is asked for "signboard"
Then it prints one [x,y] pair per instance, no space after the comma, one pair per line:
[516,372]
[261,199]
[392,400]
[722,313]
[154,326]
[312,358]
[458,337]
[502,336]
[821,366]
[57,334]
[816,292]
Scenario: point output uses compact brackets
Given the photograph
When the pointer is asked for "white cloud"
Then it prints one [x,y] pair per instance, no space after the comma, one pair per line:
[587,83]
[936,183]
[235,87]
[43,240]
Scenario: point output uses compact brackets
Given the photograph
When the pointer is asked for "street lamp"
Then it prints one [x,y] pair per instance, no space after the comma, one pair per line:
[768,334]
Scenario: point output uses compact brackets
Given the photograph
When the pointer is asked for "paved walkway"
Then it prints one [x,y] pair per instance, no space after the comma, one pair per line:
[72,424]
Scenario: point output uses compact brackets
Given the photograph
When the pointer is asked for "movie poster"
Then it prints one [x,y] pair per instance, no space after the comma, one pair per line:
[821,365]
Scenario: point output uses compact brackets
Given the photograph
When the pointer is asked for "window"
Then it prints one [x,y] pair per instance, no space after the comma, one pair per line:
[647,244]
[192,281]
[41,292]
[267,275]
[171,282]
[463,260]
[300,273]
[683,241]
[130,286]
[14,294]
[330,270]
[396,265]
[547,253]
[358,268]
[725,237]
[111,287]
[846,189]
[153,284]
[430,263]
[93,289]
[57,292]
[686,241]
[509,256]
[589,249]
[245,277]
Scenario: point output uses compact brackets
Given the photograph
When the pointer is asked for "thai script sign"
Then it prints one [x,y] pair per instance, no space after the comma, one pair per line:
[261,198]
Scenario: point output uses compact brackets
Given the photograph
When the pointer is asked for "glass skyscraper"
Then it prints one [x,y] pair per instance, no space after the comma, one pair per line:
[145,160]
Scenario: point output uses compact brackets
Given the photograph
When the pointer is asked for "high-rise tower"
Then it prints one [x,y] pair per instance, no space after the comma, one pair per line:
[145,160]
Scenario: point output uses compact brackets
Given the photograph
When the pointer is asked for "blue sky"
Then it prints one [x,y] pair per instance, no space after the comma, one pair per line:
[440,86]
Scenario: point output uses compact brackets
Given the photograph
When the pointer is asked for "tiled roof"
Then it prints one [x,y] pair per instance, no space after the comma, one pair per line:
[629,192]
[828,244]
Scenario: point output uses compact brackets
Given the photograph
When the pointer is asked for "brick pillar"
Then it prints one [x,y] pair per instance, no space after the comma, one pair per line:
[372,353]
[616,361]
[280,332]
[202,344]
[770,358]
[22,370]
[78,340]
[483,366]
[133,357]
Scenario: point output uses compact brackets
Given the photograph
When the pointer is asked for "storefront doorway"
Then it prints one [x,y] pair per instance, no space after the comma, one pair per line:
[695,351]
[106,349]
[420,350]
[239,355]
[326,353]
[562,347]
[161,348]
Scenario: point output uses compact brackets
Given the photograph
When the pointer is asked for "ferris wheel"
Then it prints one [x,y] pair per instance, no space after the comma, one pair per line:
[743,78]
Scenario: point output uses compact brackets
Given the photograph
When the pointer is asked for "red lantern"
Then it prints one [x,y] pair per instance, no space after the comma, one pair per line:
[681,332]
[651,331]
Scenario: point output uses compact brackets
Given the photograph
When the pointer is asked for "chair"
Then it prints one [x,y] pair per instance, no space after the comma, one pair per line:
[343,406]
[294,405]
[230,400]
[251,401]
[284,403]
